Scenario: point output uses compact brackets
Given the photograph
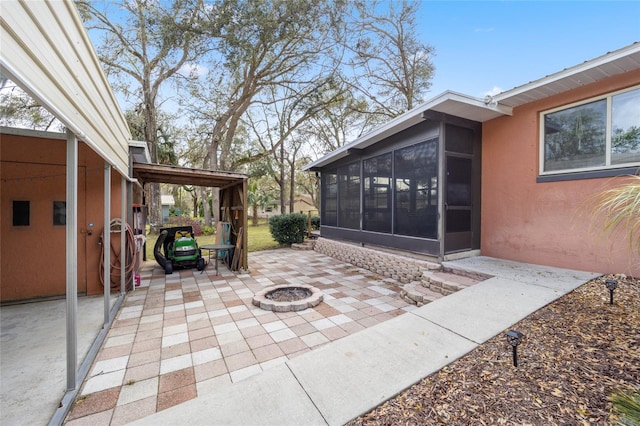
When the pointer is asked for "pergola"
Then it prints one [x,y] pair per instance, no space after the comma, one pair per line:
[233,194]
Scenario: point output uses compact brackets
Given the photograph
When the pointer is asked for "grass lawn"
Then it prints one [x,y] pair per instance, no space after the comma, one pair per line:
[259,238]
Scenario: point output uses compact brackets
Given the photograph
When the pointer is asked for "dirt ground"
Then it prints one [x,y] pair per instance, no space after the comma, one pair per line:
[575,353]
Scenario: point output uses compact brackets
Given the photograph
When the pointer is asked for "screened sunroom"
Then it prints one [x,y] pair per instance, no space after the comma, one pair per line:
[413,184]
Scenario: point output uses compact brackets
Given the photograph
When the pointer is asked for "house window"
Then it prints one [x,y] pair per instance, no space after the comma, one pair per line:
[330,198]
[349,196]
[416,190]
[59,212]
[21,213]
[597,134]
[377,178]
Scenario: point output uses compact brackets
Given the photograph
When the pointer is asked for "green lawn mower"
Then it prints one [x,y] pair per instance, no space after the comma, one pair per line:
[177,248]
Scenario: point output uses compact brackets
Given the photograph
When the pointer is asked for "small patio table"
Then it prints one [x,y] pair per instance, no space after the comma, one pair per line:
[216,248]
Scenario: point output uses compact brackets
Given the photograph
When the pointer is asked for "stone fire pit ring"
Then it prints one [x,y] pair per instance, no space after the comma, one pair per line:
[262,300]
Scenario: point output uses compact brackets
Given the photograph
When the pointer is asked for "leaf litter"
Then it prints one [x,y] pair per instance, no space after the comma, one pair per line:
[576,352]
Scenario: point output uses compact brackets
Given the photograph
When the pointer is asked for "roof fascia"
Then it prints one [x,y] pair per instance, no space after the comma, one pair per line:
[404,121]
[576,69]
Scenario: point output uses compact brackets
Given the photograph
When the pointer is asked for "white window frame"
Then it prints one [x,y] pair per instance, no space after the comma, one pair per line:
[609,125]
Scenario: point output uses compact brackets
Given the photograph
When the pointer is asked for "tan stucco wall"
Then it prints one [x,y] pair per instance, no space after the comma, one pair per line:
[544,223]
[32,258]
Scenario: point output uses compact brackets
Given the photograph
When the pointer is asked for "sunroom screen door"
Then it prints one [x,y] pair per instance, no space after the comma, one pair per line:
[458,204]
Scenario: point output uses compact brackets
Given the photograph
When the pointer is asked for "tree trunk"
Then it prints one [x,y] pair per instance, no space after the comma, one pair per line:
[254,219]
[282,182]
[215,192]
[215,204]
[292,189]
[206,209]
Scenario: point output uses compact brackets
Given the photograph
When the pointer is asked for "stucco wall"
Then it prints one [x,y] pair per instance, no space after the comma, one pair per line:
[33,258]
[544,223]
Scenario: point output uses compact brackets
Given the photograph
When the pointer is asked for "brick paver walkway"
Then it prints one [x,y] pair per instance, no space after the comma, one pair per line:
[178,335]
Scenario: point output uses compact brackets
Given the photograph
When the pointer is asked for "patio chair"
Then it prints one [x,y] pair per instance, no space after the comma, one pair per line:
[223,236]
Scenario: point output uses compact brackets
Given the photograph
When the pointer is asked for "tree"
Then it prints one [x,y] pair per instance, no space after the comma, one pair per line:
[142,51]
[18,109]
[261,47]
[341,118]
[393,67]
[257,198]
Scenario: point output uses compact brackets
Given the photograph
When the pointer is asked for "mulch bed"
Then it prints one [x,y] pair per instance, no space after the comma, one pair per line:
[576,352]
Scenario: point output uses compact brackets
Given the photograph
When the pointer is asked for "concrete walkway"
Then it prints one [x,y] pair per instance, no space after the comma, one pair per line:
[348,377]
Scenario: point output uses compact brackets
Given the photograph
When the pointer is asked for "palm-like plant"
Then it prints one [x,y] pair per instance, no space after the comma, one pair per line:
[619,209]
[626,405]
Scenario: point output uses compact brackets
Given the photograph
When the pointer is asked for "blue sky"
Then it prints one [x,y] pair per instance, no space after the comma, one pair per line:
[482,45]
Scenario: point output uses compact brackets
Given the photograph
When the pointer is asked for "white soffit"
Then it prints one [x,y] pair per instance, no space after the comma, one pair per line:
[46,51]
[613,63]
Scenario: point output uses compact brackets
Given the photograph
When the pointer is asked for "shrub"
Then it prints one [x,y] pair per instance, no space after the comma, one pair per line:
[288,228]
[315,222]
[184,221]
[208,230]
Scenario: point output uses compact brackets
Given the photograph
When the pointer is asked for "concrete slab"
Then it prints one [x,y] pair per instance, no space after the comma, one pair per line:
[352,375]
[547,276]
[272,397]
[33,356]
[485,309]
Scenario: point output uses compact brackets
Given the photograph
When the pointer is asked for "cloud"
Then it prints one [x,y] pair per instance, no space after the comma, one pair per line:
[192,70]
[493,91]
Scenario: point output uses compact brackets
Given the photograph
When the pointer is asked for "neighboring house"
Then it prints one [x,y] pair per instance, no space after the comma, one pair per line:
[167,202]
[302,203]
[507,176]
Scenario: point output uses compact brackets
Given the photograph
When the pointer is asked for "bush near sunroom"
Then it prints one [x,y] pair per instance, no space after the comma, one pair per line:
[315,222]
[288,229]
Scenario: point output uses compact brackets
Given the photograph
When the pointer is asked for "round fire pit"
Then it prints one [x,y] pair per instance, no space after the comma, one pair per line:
[287,298]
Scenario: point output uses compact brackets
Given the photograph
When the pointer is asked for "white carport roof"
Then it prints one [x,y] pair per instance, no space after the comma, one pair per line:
[481,110]
[45,49]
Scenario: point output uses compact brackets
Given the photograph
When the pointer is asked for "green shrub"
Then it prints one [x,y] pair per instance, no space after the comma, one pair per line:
[288,228]
[315,222]
[208,230]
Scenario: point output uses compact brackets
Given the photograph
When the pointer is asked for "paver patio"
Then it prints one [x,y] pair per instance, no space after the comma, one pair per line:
[179,335]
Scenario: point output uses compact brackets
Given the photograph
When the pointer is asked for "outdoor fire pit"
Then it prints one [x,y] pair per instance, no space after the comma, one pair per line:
[287,298]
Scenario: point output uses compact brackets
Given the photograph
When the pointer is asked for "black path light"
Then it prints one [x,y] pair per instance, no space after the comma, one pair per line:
[514,338]
[611,285]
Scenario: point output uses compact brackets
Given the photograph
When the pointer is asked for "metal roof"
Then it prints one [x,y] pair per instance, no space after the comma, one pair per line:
[608,65]
[47,52]
[481,110]
[161,173]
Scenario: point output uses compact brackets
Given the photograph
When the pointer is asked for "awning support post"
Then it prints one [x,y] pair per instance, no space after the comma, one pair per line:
[72,255]
[106,242]
[123,234]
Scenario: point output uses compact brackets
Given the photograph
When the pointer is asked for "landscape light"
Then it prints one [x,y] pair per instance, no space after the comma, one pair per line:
[611,285]
[514,338]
